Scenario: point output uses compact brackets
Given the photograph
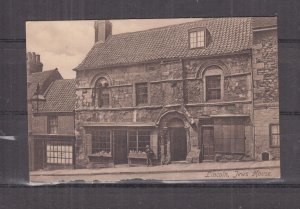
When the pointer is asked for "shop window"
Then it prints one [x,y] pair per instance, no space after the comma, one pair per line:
[141,93]
[101,141]
[197,38]
[138,140]
[274,135]
[52,124]
[58,152]
[229,136]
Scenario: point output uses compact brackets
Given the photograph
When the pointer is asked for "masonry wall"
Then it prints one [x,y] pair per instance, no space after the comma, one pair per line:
[65,124]
[170,85]
[265,97]
[173,85]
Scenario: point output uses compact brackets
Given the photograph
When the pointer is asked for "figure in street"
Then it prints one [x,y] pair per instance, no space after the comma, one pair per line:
[149,153]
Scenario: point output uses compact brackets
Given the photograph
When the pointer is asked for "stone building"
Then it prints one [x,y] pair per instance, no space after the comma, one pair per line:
[199,91]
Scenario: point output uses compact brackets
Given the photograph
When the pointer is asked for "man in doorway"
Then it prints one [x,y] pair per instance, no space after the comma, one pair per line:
[149,153]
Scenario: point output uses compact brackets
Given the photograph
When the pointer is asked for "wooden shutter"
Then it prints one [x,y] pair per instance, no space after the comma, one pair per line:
[88,143]
[218,138]
[238,144]
[154,143]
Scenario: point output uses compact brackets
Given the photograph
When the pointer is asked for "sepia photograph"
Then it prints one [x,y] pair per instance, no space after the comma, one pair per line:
[170,100]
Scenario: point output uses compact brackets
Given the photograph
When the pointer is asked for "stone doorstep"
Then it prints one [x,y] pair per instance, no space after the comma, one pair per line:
[154,171]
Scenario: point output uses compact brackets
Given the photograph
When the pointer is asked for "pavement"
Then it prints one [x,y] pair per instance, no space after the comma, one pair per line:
[171,172]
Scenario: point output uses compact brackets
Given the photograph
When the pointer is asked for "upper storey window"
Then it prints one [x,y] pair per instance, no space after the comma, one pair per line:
[197,38]
[213,87]
[141,93]
[101,92]
[213,84]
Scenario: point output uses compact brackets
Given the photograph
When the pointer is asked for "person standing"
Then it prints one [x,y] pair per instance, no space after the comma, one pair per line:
[149,153]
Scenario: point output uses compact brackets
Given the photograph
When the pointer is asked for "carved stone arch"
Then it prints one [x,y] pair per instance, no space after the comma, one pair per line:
[210,64]
[99,76]
[168,116]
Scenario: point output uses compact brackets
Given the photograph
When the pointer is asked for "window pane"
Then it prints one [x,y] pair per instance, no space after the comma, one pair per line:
[213,87]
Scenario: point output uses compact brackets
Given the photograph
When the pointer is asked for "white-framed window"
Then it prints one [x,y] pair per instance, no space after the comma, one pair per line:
[59,153]
[274,135]
[197,38]
[213,81]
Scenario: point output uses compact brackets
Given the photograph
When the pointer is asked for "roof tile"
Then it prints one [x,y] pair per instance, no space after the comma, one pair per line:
[229,35]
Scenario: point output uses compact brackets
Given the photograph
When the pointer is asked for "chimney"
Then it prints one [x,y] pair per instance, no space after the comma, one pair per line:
[103,29]
[33,63]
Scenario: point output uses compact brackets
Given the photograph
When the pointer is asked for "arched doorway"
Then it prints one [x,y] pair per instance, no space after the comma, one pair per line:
[178,139]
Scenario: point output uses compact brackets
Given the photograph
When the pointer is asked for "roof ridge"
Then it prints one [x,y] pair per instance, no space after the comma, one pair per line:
[179,24]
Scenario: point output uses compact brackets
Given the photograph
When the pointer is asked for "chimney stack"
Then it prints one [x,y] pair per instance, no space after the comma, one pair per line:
[34,64]
[103,29]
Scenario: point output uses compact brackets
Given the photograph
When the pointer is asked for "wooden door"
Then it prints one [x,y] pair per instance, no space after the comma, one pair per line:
[120,147]
[208,151]
[39,154]
[178,144]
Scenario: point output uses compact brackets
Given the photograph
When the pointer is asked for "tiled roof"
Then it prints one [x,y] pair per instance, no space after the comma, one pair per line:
[41,78]
[228,35]
[263,22]
[60,96]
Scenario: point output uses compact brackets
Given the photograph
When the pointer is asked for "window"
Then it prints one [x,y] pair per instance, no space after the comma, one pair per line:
[141,93]
[229,136]
[213,87]
[101,93]
[52,124]
[197,38]
[274,135]
[58,152]
[138,140]
[101,141]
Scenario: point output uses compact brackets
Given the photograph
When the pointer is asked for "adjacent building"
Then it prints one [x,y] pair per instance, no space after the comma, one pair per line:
[199,91]
[51,104]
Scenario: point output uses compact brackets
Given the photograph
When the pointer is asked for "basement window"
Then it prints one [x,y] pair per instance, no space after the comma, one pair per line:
[197,38]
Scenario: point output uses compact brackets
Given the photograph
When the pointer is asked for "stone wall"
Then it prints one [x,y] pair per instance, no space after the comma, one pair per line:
[265,67]
[262,119]
[265,95]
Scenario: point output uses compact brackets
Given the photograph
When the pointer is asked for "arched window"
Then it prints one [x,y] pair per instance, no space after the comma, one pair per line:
[101,93]
[213,83]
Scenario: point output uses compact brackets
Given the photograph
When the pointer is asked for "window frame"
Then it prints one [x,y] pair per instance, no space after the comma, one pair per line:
[208,89]
[272,134]
[55,154]
[97,142]
[209,72]
[50,125]
[195,30]
[136,94]
[137,140]
[97,93]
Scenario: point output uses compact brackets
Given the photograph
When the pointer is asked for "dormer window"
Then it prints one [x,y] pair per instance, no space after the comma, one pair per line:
[197,38]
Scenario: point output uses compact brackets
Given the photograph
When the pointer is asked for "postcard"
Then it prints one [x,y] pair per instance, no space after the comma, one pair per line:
[153,99]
